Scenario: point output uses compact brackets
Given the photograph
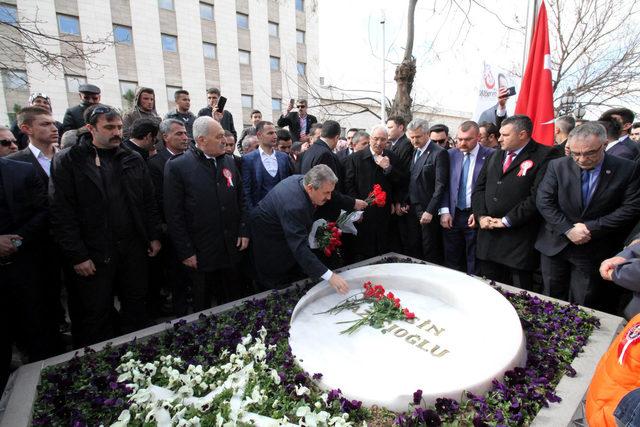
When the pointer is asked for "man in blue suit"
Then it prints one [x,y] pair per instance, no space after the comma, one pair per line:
[456,217]
[265,167]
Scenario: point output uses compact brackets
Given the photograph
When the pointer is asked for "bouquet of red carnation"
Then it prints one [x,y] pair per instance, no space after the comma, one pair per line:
[383,308]
[377,197]
[327,235]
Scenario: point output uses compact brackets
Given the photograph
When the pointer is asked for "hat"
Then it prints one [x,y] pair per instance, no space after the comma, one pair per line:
[35,95]
[87,88]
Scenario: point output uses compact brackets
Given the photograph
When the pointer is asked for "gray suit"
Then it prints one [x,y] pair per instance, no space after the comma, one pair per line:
[627,275]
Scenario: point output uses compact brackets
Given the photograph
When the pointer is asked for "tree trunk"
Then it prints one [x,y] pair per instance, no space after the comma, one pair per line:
[405,73]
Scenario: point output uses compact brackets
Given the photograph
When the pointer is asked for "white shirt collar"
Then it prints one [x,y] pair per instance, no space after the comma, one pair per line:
[473,153]
[423,149]
[36,151]
[262,153]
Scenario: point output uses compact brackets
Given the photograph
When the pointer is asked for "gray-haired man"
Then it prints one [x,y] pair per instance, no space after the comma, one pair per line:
[280,227]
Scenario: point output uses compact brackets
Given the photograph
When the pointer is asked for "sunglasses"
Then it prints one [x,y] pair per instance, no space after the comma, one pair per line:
[99,110]
[7,142]
[301,106]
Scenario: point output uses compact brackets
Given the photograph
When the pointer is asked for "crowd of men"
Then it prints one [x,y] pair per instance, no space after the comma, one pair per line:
[164,216]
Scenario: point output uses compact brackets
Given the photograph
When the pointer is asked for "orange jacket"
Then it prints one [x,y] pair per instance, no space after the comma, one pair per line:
[612,381]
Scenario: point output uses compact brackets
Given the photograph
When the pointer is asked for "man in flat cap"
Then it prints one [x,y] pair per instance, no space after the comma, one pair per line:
[73,117]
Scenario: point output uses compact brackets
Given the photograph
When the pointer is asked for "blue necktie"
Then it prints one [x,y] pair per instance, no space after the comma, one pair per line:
[586,175]
[462,188]
[416,157]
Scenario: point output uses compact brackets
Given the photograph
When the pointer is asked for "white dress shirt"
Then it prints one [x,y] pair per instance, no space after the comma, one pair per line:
[269,161]
[44,161]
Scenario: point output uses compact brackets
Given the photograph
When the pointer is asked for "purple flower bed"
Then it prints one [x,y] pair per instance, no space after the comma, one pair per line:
[85,391]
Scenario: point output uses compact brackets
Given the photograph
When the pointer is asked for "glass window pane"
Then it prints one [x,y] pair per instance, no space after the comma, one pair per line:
[15,79]
[275,63]
[122,35]
[169,43]
[243,20]
[302,68]
[299,37]
[276,104]
[165,4]
[128,93]
[74,82]
[206,11]
[244,57]
[68,25]
[209,50]
[247,101]
[8,14]
[273,29]
[300,5]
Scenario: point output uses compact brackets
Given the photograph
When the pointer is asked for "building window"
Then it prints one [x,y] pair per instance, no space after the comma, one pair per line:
[206,11]
[68,25]
[275,63]
[8,14]
[74,82]
[209,50]
[273,29]
[128,93]
[302,69]
[299,37]
[276,104]
[300,5]
[171,95]
[244,57]
[169,43]
[165,4]
[243,20]
[15,80]
[122,35]
[247,101]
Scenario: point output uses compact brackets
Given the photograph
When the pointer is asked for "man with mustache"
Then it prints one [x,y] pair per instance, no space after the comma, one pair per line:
[105,218]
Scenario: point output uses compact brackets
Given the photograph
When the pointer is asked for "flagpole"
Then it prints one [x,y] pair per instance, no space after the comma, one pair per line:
[532,11]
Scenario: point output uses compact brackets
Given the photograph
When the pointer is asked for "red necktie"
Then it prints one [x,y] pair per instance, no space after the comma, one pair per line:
[507,163]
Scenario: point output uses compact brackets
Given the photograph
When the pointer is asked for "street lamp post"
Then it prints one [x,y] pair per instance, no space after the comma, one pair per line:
[568,105]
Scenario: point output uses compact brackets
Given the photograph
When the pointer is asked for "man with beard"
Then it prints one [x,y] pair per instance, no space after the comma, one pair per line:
[144,107]
[363,169]
[105,219]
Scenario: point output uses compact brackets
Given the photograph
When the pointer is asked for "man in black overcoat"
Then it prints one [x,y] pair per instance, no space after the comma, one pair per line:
[204,210]
[589,201]
[503,203]
[363,169]
[280,227]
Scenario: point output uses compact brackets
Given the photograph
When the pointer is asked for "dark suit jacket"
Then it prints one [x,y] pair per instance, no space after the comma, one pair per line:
[204,211]
[26,198]
[429,180]
[293,121]
[627,149]
[26,155]
[508,195]
[456,157]
[342,155]
[156,170]
[253,174]
[280,227]
[610,214]
[74,117]
[129,145]
[320,154]
[226,122]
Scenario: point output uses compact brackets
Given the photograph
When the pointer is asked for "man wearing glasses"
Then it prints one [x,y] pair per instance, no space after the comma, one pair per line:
[589,201]
[7,142]
[105,218]
[299,122]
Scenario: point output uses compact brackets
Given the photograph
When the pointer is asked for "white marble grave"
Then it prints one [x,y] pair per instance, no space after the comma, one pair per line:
[465,334]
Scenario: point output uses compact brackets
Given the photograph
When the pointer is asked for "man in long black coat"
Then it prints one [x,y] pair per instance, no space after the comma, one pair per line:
[504,204]
[589,201]
[204,210]
[280,227]
[363,169]
[321,153]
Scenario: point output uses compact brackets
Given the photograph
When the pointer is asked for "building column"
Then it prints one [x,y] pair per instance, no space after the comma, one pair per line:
[228,58]
[191,55]
[288,50]
[260,62]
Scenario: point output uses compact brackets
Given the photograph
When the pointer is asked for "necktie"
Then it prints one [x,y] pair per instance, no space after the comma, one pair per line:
[585,187]
[462,188]
[214,166]
[416,157]
[507,162]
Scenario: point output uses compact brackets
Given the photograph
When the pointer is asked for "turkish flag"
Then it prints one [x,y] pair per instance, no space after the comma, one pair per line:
[536,93]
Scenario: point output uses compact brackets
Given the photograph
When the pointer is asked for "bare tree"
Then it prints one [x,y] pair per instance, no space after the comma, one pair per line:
[23,41]
[405,72]
[595,50]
